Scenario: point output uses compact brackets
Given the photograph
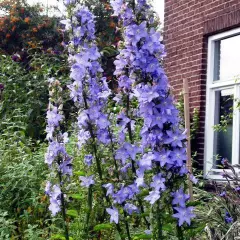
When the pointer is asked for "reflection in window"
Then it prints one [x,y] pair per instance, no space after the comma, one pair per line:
[223,139]
[227,58]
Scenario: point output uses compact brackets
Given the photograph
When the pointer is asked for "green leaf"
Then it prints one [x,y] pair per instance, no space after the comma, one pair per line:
[168,228]
[194,203]
[77,196]
[59,237]
[146,214]
[142,236]
[80,173]
[72,213]
[143,193]
[104,226]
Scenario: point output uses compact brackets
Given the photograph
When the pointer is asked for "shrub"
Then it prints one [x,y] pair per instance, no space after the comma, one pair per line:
[25,26]
[25,94]
[22,172]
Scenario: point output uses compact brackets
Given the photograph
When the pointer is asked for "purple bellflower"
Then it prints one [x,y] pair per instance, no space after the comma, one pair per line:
[87,181]
[130,208]
[88,159]
[223,194]
[116,5]
[142,79]
[184,214]
[228,218]
[54,192]
[180,198]
[114,215]
[89,90]
[153,197]
[56,156]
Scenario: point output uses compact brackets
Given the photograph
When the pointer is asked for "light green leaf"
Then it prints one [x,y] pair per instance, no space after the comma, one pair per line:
[142,236]
[77,196]
[80,173]
[102,227]
[72,213]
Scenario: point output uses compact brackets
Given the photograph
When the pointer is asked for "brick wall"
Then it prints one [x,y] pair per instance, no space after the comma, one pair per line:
[188,23]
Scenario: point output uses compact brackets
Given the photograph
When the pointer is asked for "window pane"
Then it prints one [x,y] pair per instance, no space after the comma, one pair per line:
[227,58]
[223,139]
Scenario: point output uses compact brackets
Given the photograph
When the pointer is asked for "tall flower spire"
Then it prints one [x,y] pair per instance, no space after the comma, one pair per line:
[59,162]
[89,90]
[143,80]
[145,145]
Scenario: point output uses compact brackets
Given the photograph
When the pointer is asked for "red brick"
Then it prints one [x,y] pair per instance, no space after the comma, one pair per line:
[187,25]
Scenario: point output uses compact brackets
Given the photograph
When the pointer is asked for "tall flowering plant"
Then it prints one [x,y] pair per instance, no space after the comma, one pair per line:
[89,90]
[137,154]
[158,161]
[57,158]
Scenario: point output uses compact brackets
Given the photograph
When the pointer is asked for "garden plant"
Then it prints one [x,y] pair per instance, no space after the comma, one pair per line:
[137,151]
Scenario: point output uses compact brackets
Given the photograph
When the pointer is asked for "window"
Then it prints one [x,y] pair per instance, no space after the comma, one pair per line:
[222,97]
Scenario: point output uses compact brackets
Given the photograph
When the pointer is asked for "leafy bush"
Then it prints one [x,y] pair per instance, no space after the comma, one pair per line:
[25,26]
[25,93]
[21,175]
[219,206]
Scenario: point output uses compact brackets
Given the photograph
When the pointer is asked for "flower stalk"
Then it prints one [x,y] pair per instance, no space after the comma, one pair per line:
[148,161]
[59,162]
[89,90]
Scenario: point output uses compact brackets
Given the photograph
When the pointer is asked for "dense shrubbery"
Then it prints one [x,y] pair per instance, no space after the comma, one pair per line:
[22,172]
[24,27]
[25,93]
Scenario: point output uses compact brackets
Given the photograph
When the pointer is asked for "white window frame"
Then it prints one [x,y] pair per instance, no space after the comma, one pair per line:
[211,87]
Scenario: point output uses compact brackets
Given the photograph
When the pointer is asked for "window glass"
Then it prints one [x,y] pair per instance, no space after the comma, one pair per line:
[227,59]
[223,139]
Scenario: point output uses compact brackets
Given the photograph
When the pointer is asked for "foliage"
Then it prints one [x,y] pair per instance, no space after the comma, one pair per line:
[22,202]
[226,117]
[25,94]
[219,207]
[24,206]
[7,226]
[225,120]
[24,26]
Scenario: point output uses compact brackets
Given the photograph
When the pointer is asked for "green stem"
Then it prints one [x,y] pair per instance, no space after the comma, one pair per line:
[142,211]
[112,149]
[127,226]
[158,212]
[130,131]
[133,5]
[180,233]
[98,161]
[159,222]
[89,210]
[63,208]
